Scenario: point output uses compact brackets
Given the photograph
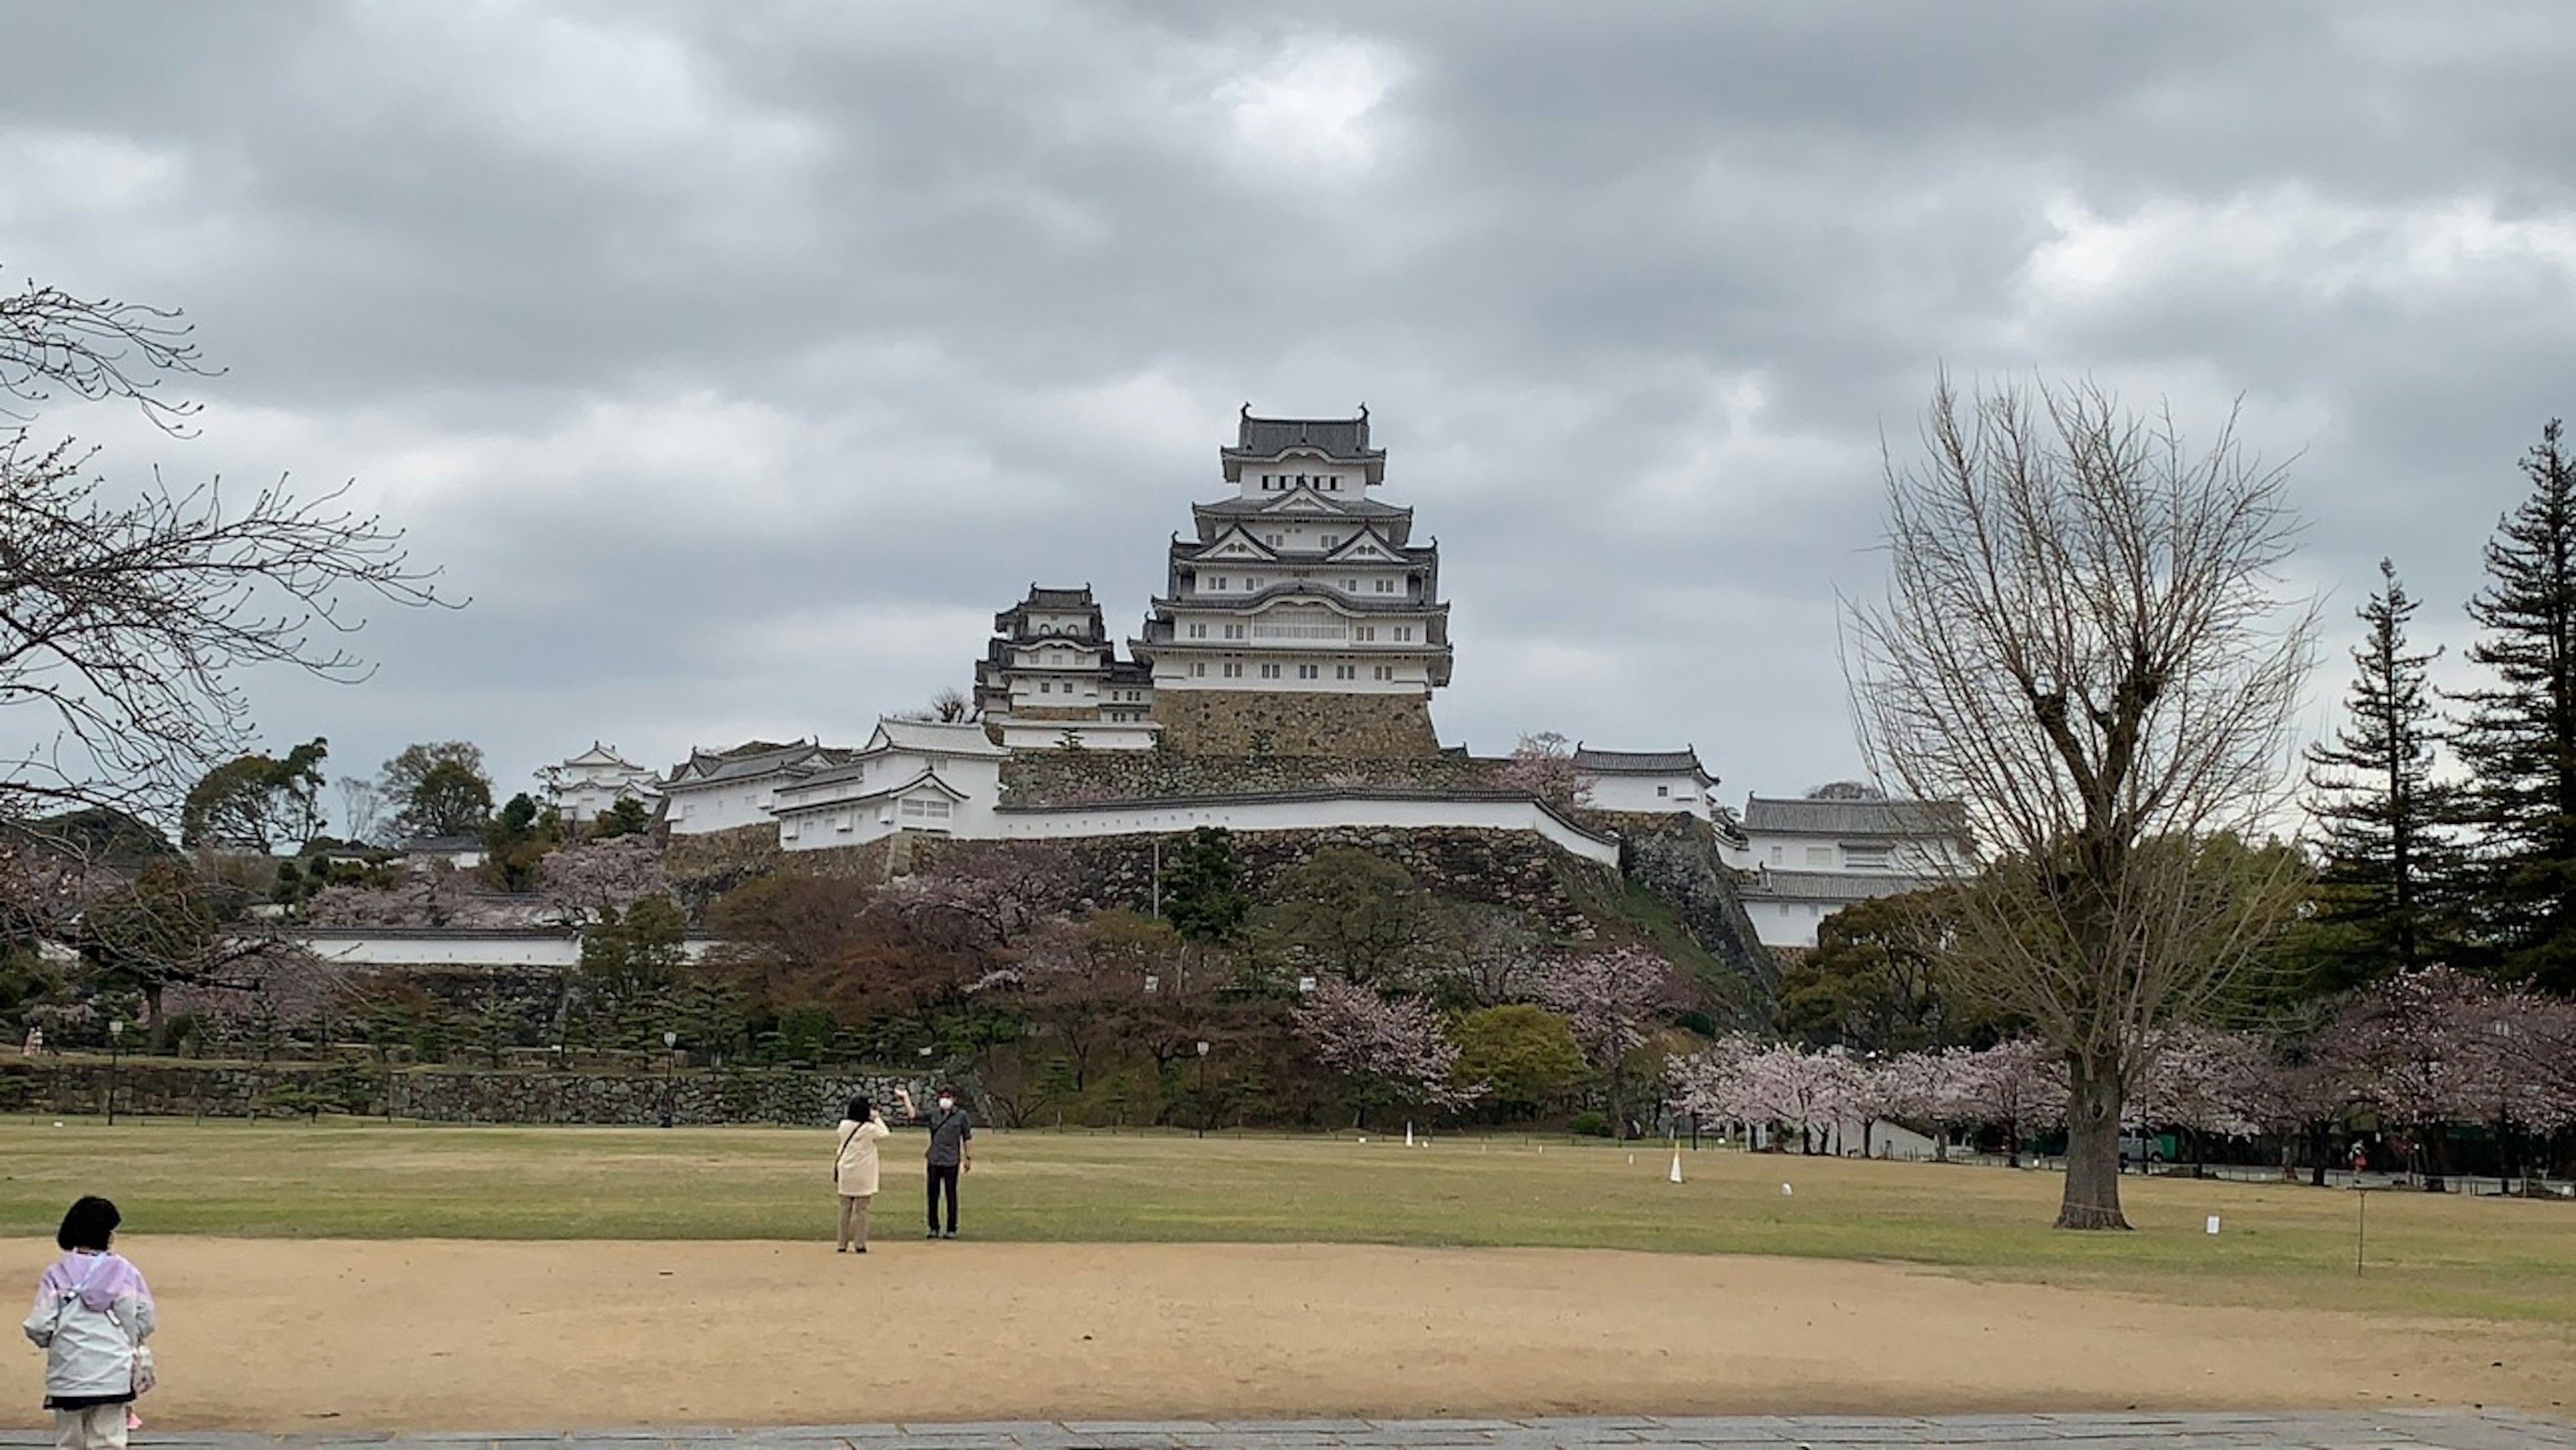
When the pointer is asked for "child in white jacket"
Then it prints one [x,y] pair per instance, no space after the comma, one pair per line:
[93,1312]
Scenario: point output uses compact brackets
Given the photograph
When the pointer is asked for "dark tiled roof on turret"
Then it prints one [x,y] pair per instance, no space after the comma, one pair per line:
[1346,439]
[1638,762]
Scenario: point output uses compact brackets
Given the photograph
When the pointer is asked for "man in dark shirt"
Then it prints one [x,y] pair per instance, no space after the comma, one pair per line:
[952,1151]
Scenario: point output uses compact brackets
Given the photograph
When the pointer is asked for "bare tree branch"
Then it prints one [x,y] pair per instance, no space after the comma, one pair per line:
[2083,642]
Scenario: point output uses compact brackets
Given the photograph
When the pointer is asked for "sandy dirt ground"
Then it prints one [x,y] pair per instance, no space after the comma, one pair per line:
[313,1337]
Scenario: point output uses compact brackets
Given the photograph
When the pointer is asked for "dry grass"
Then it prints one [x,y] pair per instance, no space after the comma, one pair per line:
[2428,1255]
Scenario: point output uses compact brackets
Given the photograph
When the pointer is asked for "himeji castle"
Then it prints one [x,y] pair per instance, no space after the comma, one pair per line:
[1298,617]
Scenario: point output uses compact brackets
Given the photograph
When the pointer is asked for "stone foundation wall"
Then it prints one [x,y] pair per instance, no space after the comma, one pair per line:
[1283,722]
[1085,777]
[1509,869]
[1676,858]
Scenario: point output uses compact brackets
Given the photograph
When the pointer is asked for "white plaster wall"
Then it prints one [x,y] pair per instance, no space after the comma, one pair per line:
[1908,858]
[1637,793]
[1096,735]
[457,949]
[697,810]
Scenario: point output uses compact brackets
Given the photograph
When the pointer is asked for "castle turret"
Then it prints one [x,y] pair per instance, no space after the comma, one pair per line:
[1051,677]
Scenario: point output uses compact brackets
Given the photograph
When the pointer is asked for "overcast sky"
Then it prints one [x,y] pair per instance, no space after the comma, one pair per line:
[739,361]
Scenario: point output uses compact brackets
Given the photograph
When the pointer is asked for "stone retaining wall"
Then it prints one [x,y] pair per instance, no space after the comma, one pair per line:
[1289,722]
[1085,777]
[156,1088]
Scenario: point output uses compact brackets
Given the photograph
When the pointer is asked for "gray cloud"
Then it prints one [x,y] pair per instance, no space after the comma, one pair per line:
[741,361]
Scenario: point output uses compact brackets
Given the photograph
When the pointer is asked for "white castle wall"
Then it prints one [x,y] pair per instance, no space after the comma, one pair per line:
[434,947]
[1305,813]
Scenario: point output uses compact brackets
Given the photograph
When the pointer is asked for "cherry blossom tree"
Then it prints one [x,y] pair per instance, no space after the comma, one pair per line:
[1610,999]
[586,879]
[2201,1080]
[2018,1086]
[1391,1049]
[1543,765]
[1933,1089]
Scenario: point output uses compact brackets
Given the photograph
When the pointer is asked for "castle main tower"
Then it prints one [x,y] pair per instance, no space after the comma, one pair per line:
[1301,619]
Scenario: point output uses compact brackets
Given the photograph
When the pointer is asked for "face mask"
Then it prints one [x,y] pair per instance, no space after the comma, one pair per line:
[947,1103]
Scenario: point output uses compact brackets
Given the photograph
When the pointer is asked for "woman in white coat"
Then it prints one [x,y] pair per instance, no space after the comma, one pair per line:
[854,1173]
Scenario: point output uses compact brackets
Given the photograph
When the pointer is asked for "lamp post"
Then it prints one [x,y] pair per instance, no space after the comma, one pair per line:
[115,1040]
[670,1074]
[1204,1113]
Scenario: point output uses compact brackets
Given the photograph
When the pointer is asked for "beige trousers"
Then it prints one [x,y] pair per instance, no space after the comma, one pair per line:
[854,1222]
[100,1427]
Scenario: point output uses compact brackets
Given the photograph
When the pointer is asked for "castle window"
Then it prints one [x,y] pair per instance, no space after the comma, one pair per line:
[1346,672]
[1308,672]
[1234,631]
[1198,631]
[1386,586]
[1367,632]
[1386,672]
[1404,631]
[1663,790]
[1351,586]
[1269,672]
[1233,670]
[1274,541]
[1199,668]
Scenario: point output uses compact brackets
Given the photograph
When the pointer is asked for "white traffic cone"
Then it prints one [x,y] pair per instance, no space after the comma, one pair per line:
[1676,1175]
[1408,1135]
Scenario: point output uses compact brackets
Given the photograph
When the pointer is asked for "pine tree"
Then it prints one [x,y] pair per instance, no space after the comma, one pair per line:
[2518,739]
[2379,813]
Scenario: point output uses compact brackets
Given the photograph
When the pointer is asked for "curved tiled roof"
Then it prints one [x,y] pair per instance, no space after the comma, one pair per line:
[1365,508]
[1855,818]
[1638,762]
[1832,885]
[1342,438]
[1303,589]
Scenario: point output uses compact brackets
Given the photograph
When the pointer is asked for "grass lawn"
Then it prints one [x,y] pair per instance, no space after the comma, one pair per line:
[2438,1255]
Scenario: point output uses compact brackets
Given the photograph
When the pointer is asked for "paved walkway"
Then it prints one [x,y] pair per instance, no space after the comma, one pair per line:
[2378,1430]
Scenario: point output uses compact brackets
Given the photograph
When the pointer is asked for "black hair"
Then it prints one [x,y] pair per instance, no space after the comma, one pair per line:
[88,1224]
[861,1110]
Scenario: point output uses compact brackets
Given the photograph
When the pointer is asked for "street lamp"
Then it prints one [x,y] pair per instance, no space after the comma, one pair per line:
[1204,1111]
[670,1074]
[115,1040]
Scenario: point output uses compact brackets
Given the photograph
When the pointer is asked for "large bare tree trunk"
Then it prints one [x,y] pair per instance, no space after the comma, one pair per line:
[2092,1196]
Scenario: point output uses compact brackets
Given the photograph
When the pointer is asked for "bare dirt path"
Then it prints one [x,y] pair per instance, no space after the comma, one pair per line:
[336,1335]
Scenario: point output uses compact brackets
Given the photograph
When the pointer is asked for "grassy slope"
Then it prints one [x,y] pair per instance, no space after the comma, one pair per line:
[2428,1254]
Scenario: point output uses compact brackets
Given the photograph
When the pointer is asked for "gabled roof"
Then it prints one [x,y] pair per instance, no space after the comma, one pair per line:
[1855,818]
[1302,501]
[937,737]
[1237,540]
[802,796]
[1684,761]
[749,762]
[1831,885]
[1367,542]
[1343,439]
[1014,620]
[599,754]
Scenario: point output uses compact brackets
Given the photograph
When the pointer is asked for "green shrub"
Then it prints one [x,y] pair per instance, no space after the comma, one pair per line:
[1589,1124]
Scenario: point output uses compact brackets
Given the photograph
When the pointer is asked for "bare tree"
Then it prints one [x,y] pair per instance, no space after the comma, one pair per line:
[126,617]
[2083,642]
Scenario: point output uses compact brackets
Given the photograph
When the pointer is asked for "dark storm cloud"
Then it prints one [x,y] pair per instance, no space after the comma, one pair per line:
[740,361]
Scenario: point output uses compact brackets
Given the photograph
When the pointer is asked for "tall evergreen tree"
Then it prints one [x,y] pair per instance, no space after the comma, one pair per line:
[2518,739]
[2379,813]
